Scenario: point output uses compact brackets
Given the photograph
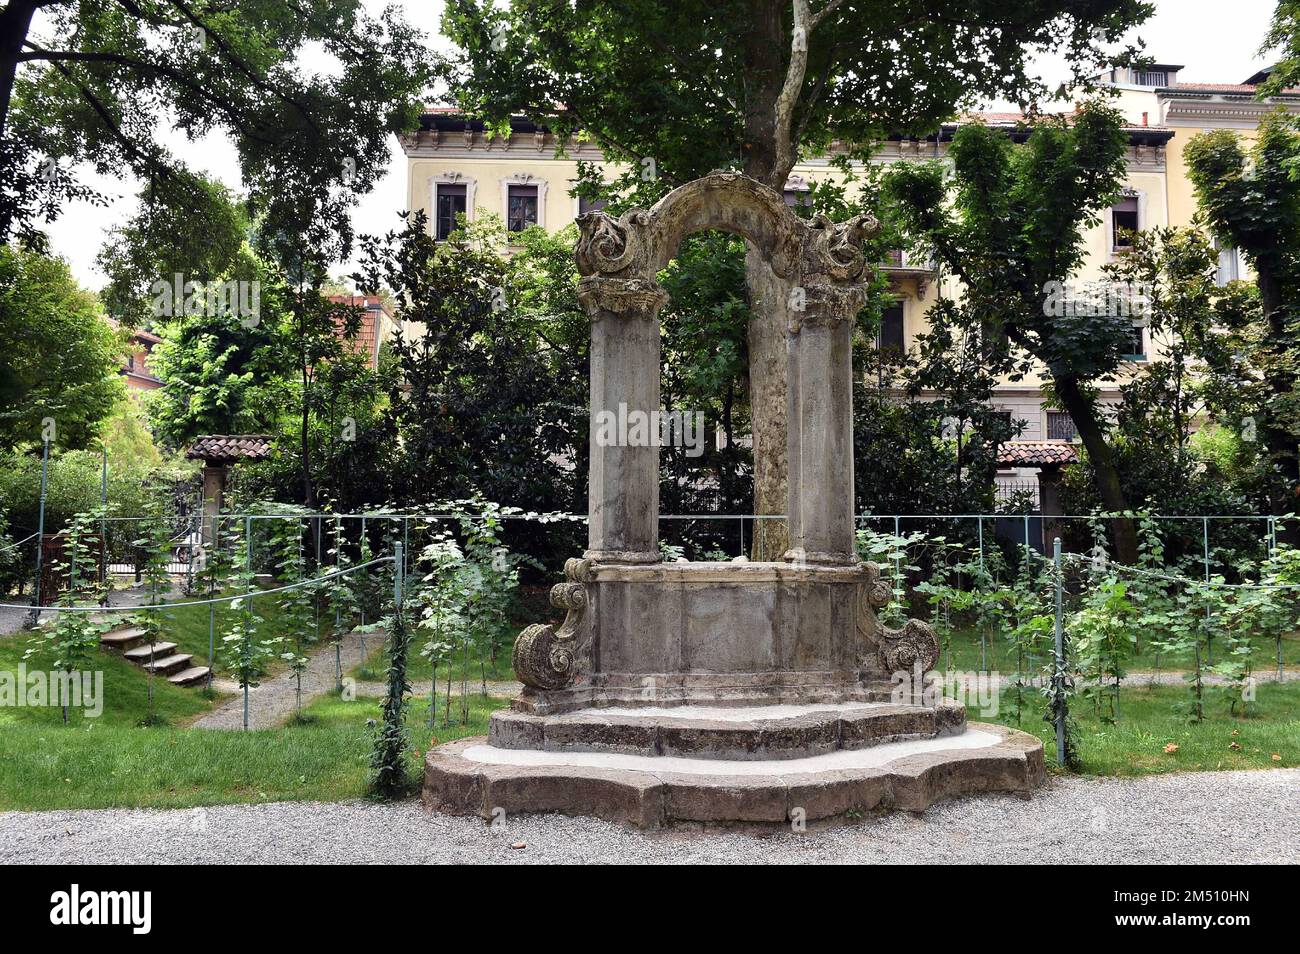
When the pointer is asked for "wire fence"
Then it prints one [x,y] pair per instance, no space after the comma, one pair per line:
[1217,543]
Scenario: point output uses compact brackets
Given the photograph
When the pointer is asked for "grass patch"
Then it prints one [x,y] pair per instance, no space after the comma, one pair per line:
[125,694]
[1000,655]
[114,766]
[1135,744]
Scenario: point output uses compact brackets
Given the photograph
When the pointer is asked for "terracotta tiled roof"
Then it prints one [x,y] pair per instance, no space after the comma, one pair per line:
[228,448]
[1036,454]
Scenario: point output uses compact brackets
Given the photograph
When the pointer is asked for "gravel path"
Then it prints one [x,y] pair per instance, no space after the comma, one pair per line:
[502,689]
[271,703]
[12,620]
[1211,817]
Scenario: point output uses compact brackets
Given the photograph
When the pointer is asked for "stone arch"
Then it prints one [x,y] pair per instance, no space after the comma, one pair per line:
[823,263]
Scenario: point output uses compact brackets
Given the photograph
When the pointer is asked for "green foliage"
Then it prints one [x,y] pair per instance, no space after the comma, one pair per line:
[493,391]
[441,613]
[62,357]
[297,606]
[70,643]
[1013,233]
[722,67]
[155,546]
[106,78]
[1251,200]
[160,242]
[390,777]
[247,653]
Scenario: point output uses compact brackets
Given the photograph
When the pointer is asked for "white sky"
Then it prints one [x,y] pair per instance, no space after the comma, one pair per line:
[1216,42]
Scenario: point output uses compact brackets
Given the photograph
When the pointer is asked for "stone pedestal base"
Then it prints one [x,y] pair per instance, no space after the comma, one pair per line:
[759,780]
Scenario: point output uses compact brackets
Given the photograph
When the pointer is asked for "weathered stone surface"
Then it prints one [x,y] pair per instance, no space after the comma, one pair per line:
[757,738]
[642,633]
[650,799]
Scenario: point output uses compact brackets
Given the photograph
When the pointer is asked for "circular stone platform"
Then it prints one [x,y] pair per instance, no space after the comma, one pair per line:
[472,776]
[725,732]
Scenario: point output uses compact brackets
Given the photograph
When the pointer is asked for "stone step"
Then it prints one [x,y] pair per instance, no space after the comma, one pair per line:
[169,664]
[736,733]
[469,777]
[144,652]
[122,638]
[190,676]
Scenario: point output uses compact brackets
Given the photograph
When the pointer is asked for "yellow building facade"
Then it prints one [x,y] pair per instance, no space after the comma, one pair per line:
[454,167]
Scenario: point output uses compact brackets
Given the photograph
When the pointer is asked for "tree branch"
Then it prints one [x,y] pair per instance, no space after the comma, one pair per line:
[789,96]
[244,68]
[817,18]
[175,75]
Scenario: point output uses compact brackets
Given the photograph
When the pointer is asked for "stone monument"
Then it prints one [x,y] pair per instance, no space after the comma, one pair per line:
[737,691]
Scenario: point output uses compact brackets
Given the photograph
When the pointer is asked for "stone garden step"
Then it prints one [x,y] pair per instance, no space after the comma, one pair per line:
[169,664]
[124,638]
[144,652]
[726,732]
[189,676]
[472,777]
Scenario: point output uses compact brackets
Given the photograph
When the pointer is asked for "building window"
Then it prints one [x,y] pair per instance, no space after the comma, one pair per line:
[1136,344]
[586,205]
[891,329]
[521,207]
[798,199]
[450,202]
[1229,265]
[1124,222]
[1152,78]
[1060,426]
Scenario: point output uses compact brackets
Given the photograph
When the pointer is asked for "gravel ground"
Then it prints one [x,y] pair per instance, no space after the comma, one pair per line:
[1211,817]
[271,703]
[12,620]
[503,689]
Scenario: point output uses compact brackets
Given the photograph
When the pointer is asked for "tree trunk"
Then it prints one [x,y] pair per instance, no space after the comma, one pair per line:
[768,295]
[765,48]
[1279,440]
[1083,412]
[15,23]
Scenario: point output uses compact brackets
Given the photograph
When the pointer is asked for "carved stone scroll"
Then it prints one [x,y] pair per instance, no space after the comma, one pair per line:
[896,650]
[550,658]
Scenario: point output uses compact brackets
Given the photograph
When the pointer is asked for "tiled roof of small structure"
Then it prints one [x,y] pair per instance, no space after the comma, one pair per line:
[1036,454]
[228,448]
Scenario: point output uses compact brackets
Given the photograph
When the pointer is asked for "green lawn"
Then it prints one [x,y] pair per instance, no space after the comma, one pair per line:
[1147,723]
[125,696]
[48,766]
[1000,655]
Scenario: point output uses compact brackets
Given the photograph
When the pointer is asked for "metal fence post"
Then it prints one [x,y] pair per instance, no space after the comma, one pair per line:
[399,573]
[1058,677]
[40,535]
[1205,537]
[103,529]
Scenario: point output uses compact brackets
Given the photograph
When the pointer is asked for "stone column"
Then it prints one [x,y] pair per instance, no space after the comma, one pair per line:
[623,484]
[820,429]
[214,486]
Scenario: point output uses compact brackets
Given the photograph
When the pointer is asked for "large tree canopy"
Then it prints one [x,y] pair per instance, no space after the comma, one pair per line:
[60,359]
[1013,234]
[103,82]
[1251,199]
[679,89]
